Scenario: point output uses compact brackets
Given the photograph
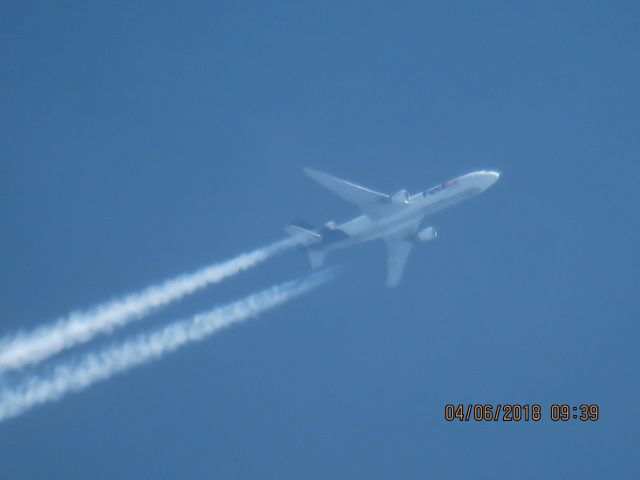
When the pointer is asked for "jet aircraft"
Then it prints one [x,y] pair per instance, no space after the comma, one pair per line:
[393,218]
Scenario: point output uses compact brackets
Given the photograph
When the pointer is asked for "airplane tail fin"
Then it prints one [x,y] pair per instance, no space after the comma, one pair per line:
[306,237]
[316,257]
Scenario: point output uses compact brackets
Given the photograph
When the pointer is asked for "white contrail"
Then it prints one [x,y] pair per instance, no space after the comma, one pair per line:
[94,367]
[79,327]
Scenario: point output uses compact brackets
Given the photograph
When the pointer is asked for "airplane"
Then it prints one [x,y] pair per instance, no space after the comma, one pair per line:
[393,218]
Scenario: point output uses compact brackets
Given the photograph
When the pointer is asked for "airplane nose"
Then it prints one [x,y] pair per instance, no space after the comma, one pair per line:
[481,180]
[490,177]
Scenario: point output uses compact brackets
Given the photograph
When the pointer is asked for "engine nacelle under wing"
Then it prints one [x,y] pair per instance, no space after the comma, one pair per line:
[401,197]
[427,234]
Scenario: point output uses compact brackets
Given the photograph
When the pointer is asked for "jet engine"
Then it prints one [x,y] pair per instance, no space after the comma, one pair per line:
[400,196]
[427,234]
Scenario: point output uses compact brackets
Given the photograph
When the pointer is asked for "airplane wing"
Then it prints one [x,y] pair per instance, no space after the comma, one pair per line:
[399,245]
[372,203]
[398,253]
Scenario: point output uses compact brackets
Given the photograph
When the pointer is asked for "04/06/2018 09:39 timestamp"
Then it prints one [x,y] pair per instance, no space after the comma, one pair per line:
[520,412]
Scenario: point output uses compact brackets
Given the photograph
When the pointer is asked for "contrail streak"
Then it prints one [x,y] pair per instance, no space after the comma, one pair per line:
[79,327]
[94,367]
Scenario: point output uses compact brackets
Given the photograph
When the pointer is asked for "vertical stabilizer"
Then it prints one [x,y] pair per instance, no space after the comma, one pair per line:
[316,257]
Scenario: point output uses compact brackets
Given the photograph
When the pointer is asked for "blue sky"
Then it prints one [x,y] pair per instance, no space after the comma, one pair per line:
[142,140]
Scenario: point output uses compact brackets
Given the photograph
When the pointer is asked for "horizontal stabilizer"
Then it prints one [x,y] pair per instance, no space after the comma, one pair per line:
[303,236]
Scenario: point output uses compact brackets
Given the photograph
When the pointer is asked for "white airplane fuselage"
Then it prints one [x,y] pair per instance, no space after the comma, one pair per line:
[363,228]
[393,218]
